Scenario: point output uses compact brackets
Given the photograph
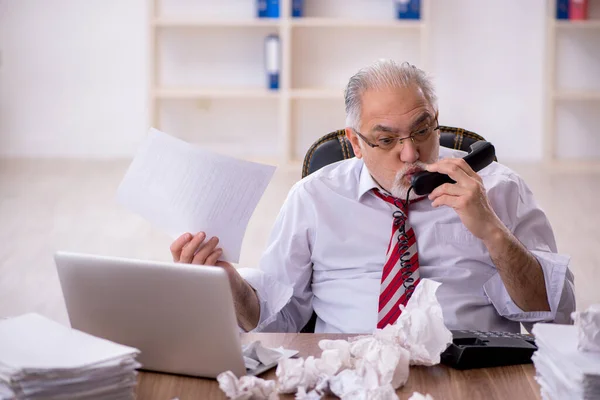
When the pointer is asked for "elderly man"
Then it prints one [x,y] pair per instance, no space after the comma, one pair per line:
[346,244]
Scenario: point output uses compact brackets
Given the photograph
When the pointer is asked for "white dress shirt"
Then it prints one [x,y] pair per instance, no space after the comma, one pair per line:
[328,246]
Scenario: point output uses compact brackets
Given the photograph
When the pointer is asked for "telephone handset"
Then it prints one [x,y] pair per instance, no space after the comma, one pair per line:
[481,155]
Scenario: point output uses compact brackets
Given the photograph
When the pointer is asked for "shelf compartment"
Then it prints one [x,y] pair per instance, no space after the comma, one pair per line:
[227,58]
[206,9]
[329,60]
[372,10]
[577,62]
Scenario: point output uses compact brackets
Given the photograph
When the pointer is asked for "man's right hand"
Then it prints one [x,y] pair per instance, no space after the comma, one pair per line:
[193,249]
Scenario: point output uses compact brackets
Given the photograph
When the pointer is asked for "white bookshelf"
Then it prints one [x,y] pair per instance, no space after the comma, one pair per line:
[182,22]
[572,93]
[208,83]
[575,95]
[214,93]
[315,22]
[588,24]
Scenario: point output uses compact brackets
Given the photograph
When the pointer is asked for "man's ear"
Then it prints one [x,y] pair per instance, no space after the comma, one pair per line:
[353,138]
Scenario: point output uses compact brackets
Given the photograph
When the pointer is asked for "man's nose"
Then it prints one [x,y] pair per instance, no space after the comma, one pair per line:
[409,152]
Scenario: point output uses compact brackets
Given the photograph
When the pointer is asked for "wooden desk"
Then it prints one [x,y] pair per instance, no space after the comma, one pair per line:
[513,383]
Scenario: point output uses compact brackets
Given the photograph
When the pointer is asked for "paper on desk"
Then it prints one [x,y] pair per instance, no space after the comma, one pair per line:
[259,358]
[359,384]
[372,366]
[302,394]
[588,328]
[246,387]
[418,337]
[182,188]
[420,328]
[419,396]
[559,343]
[23,347]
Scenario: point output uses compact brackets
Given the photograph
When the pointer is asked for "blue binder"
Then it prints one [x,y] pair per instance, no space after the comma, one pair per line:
[267,8]
[297,8]
[562,9]
[408,9]
[272,61]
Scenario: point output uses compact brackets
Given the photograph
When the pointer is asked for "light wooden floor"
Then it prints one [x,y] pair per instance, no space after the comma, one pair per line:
[49,205]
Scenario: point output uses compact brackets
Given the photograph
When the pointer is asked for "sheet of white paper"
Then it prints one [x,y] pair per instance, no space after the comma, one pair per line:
[265,367]
[181,188]
[559,342]
[33,342]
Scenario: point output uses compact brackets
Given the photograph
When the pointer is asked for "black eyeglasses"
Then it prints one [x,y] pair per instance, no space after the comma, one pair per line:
[389,142]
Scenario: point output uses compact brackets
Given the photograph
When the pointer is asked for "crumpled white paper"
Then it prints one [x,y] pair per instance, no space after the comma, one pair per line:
[302,394]
[246,387]
[420,328]
[588,328]
[362,383]
[311,373]
[255,354]
[419,396]
[372,367]
[366,366]
[386,359]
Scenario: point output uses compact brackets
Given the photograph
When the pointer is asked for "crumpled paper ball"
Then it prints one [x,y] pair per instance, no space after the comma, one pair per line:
[420,328]
[246,387]
[588,328]
[419,396]
[389,360]
[361,384]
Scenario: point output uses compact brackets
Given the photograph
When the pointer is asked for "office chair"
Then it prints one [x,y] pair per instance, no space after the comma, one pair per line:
[335,147]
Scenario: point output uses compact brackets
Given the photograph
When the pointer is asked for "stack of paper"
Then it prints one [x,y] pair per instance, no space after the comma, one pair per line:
[563,371]
[42,359]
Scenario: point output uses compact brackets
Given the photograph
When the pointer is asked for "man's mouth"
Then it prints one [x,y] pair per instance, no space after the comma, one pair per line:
[409,174]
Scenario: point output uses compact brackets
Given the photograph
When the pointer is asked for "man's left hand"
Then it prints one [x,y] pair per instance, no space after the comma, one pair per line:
[467,197]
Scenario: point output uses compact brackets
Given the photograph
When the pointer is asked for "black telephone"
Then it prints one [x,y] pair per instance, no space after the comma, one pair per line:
[476,349]
[481,155]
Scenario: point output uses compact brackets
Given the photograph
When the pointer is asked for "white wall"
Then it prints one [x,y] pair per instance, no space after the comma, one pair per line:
[73,77]
[73,74]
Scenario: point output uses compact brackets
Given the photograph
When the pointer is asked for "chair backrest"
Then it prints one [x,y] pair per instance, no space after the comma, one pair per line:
[335,147]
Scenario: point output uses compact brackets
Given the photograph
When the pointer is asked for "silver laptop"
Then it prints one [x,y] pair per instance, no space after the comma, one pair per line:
[181,317]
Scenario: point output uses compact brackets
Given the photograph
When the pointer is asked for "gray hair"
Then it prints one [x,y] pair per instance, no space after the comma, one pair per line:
[383,74]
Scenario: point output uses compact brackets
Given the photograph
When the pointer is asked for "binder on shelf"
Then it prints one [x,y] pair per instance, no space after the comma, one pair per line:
[297,8]
[578,10]
[267,8]
[272,61]
[408,9]
[562,9]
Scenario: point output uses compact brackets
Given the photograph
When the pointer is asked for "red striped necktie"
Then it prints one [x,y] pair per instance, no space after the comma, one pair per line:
[401,268]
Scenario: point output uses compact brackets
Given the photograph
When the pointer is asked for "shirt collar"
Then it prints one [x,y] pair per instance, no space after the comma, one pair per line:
[366,182]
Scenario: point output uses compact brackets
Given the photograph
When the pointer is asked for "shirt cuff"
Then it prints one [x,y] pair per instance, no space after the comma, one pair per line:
[272,295]
[554,267]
